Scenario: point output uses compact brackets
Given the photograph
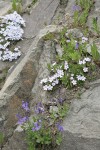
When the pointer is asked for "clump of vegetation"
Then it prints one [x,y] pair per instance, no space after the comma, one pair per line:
[95,25]
[81,11]
[34,1]
[1,138]
[44,128]
[95,54]
[17,6]
[72,68]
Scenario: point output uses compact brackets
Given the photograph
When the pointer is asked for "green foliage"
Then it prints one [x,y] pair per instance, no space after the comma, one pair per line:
[62,111]
[49,36]
[80,16]
[1,137]
[34,1]
[83,17]
[43,129]
[74,57]
[95,25]
[17,5]
[76,18]
[85,4]
[95,53]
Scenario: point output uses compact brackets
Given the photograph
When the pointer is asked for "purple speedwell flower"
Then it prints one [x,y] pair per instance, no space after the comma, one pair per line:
[61,100]
[37,126]
[59,127]
[77,45]
[39,108]
[76,8]
[25,106]
[21,120]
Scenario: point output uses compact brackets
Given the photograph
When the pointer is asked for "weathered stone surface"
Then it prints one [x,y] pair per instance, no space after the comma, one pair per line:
[19,84]
[5,6]
[40,16]
[82,125]
[16,143]
[75,32]
[26,3]
[46,58]
[68,9]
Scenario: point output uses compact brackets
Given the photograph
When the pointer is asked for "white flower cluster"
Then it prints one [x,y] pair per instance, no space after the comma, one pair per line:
[80,77]
[10,30]
[15,18]
[76,78]
[9,55]
[66,65]
[86,59]
[84,39]
[50,82]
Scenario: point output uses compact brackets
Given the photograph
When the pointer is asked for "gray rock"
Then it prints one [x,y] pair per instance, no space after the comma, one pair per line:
[75,33]
[59,50]
[82,125]
[47,56]
[63,2]
[5,6]
[53,109]
[97,42]
[20,82]
[40,16]
[68,9]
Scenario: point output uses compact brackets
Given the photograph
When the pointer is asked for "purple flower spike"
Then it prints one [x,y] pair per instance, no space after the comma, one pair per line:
[60,100]
[37,126]
[59,127]
[25,106]
[77,45]
[39,108]
[76,8]
[21,119]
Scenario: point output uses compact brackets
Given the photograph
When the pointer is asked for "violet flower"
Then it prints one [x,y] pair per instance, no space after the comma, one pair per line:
[37,126]
[60,100]
[21,120]
[76,8]
[39,108]
[25,106]
[77,45]
[59,127]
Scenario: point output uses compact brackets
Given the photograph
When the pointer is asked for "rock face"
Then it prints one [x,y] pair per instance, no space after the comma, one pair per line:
[82,125]
[18,86]
[40,16]
[5,6]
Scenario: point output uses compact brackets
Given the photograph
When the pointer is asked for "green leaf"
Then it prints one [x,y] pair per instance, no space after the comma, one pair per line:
[95,53]
[75,56]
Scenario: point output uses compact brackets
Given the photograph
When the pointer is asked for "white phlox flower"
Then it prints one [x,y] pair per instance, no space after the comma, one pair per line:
[10,30]
[74,82]
[85,69]
[60,73]
[45,87]
[66,65]
[44,81]
[82,62]
[87,59]
[81,78]
[84,39]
